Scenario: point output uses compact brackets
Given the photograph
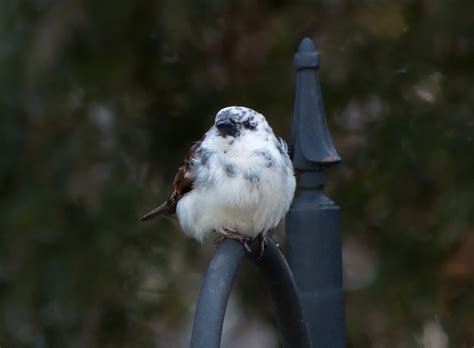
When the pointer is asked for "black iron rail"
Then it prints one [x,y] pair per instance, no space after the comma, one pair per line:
[216,287]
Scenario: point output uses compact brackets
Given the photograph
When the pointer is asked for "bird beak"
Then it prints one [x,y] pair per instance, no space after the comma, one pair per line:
[227,127]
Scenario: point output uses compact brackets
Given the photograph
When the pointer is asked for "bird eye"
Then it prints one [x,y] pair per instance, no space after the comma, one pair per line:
[249,125]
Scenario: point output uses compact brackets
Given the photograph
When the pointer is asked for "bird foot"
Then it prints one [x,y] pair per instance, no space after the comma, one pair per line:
[255,247]
[244,240]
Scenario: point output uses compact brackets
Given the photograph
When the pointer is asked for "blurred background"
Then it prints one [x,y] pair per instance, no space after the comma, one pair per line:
[100,100]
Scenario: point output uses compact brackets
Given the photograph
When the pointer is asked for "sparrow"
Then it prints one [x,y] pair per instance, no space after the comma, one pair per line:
[236,182]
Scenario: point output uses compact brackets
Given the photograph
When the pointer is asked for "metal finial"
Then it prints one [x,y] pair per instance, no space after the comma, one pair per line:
[310,142]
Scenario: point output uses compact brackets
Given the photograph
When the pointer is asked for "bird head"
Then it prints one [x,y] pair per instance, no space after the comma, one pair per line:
[236,121]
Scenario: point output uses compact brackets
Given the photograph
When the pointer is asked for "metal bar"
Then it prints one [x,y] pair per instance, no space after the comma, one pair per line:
[314,222]
[214,294]
[284,299]
[216,287]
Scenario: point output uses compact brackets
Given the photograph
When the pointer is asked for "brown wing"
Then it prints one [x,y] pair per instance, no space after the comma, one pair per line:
[183,181]
[182,184]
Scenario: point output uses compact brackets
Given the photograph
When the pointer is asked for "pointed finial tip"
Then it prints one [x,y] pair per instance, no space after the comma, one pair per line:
[306,57]
[306,45]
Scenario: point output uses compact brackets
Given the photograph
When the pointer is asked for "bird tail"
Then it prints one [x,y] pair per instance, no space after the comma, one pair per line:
[161,210]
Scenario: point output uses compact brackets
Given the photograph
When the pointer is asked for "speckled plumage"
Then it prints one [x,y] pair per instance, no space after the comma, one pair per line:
[237,179]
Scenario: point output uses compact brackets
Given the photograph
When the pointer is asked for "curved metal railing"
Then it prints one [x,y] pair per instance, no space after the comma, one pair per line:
[217,284]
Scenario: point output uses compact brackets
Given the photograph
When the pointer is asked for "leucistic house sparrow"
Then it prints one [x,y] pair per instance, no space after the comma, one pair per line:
[237,182]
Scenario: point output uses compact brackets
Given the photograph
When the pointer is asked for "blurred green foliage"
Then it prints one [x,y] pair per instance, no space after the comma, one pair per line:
[99,101]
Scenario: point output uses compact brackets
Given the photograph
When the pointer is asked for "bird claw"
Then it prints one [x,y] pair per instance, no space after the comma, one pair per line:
[246,243]
[262,244]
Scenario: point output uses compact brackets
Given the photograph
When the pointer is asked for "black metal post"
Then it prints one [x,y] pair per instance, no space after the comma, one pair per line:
[313,222]
[215,291]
